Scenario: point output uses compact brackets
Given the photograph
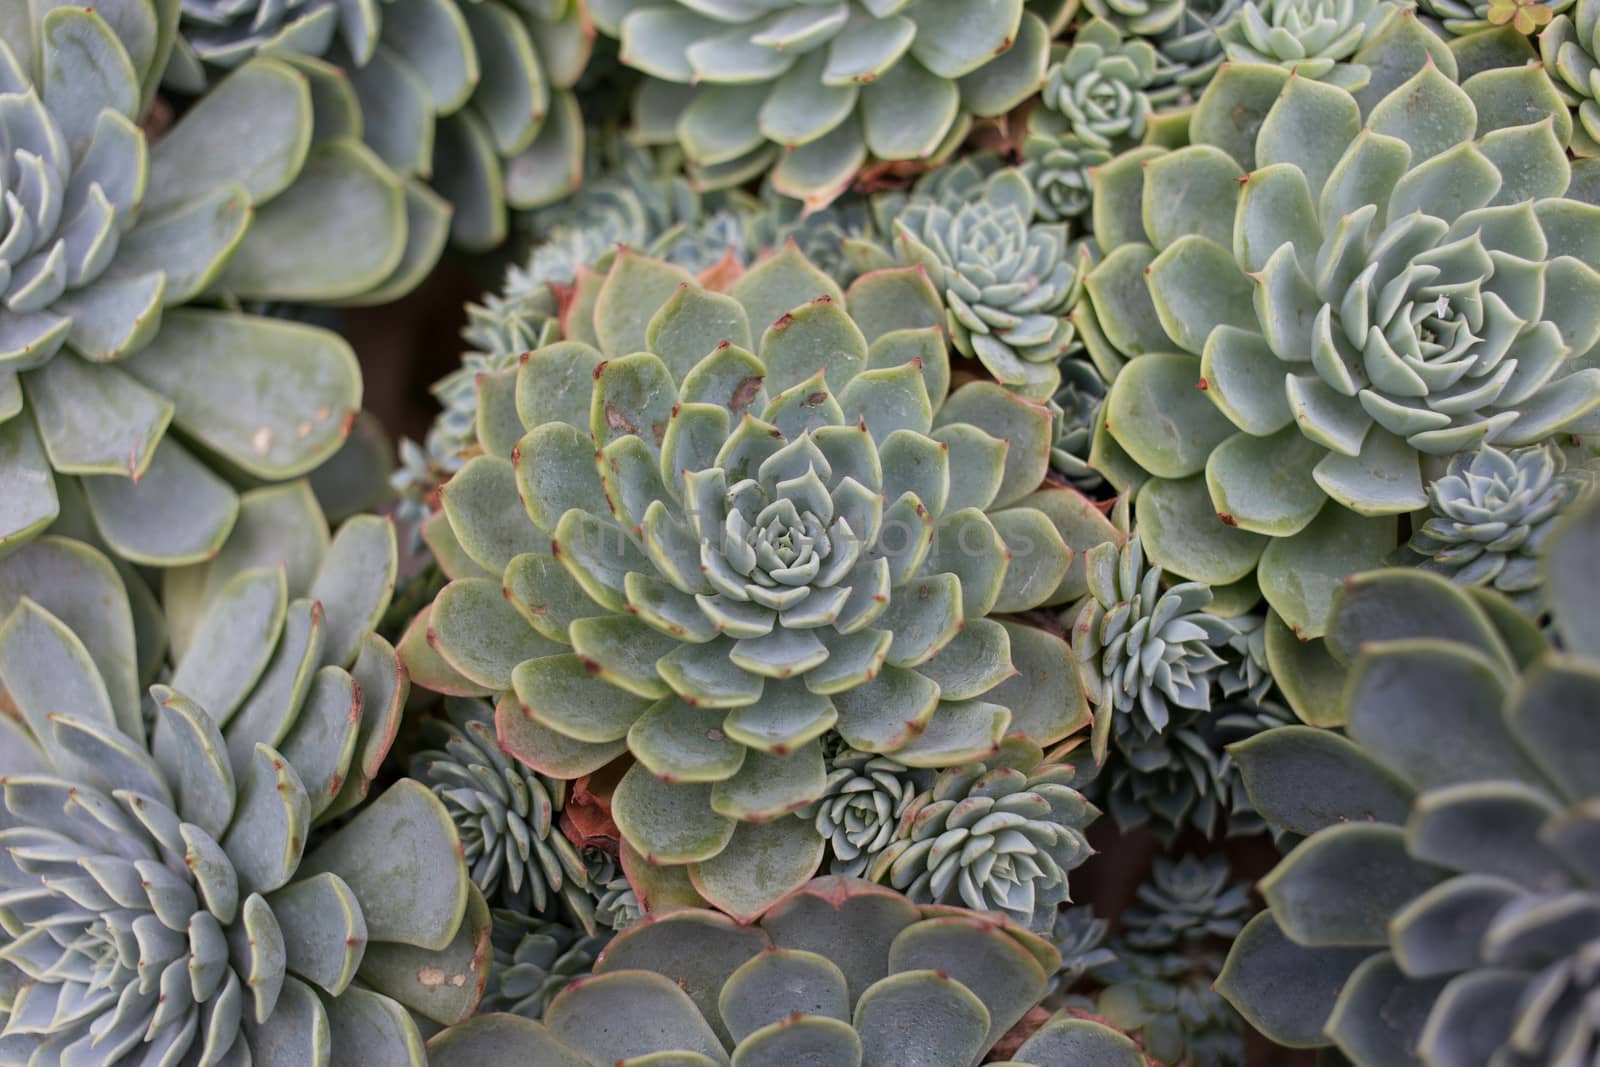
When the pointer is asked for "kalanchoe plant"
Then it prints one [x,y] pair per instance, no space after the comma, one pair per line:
[1490,514]
[534,959]
[997,835]
[1008,279]
[471,96]
[1158,987]
[842,973]
[814,91]
[181,894]
[1314,38]
[505,814]
[1323,317]
[105,234]
[1570,47]
[1438,912]
[1102,90]
[1145,650]
[709,545]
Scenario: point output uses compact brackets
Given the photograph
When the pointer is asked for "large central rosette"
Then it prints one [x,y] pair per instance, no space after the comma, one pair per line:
[714,553]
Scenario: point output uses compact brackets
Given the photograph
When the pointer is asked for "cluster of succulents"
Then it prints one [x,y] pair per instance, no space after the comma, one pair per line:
[884,435]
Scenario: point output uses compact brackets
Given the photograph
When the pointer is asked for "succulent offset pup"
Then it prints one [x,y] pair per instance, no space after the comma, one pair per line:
[810,92]
[1441,910]
[1311,323]
[174,888]
[104,234]
[715,546]
[841,973]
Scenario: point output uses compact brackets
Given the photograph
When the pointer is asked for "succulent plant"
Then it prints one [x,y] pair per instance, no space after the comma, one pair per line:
[824,235]
[1074,415]
[997,835]
[105,235]
[1183,778]
[1080,938]
[711,558]
[505,815]
[1437,911]
[1463,18]
[1102,90]
[1570,47]
[472,96]
[1144,649]
[184,894]
[534,959]
[1490,514]
[1335,347]
[1158,987]
[1137,18]
[1007,279]
[617,905]
[1246,673]
[813,91]
[1057,168]
[859,811]
[1317,39]
[842,973]
[1191,49]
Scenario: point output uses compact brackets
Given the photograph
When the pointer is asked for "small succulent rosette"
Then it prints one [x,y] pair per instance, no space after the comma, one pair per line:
[842,972]
[712,548]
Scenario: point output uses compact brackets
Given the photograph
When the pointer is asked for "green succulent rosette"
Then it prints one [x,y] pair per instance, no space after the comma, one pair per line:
[1191,49]
[1103,90]
[505,815]
[469,103]
[1317,39]
[999,835]
[842,973]
[1439,909]
[198,876]
[1467,17]
[112,397]
[713,547]
[1490,514]
[1570,48]
[1007,277]
[1311,326]
[1158,986]
[814,91]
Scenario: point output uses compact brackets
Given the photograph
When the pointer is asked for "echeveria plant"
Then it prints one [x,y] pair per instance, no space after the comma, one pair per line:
[112,398]
[811,92]
[469,102]
[185,881]
[716,545]
[1438,910]
[1320,305]
[842,973]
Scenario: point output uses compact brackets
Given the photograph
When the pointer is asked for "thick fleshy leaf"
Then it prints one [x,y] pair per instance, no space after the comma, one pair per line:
[761,864]
[1340,887]
[401,857]
[1285,990]
[613,1018]
[279,405]
[669,823]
